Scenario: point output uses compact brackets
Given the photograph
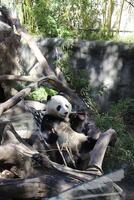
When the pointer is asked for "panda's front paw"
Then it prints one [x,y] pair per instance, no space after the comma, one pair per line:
[52,138]
[88,145]
[92,142]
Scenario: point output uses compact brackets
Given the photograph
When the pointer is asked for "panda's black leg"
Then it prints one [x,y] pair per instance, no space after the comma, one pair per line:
[98,152]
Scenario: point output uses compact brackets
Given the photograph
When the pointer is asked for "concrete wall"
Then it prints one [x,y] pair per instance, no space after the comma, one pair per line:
[109,65]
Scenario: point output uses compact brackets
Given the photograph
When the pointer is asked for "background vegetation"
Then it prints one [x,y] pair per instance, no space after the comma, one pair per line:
[120,116]
[84,19]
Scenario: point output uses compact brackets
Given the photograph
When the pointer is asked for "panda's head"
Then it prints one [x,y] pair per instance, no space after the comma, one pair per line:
[58,106]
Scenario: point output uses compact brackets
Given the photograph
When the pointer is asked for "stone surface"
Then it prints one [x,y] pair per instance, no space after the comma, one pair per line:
[9,42]
[109,65]
[22,118]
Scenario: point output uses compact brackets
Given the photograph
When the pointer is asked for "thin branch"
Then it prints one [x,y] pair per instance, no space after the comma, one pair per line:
[61,87]
[14,100]
[42,81]
[17,98]
[53,81]
[130,3]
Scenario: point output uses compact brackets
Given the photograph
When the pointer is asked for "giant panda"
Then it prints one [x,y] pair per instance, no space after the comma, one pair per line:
[64,145]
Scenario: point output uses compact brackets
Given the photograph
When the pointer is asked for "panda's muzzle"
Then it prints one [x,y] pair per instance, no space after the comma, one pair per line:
[65,113]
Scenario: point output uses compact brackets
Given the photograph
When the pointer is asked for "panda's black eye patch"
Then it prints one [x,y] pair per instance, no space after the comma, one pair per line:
[67,106]
[58,108]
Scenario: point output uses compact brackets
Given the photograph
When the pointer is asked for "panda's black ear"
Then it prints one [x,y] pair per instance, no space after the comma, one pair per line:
[61,93]
[48,97]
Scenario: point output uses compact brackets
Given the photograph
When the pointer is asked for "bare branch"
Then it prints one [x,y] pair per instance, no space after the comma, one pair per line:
[48,80]
[61,87]
[130,3]
[18,97]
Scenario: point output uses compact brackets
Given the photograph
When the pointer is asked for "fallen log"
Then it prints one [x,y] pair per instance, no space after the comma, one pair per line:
[48,179]
[14,100]
[99,188]
[59,186]
[41,186]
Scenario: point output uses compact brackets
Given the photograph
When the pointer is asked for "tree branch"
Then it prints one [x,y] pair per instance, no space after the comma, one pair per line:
[130,3]
[18,97]
[61,87]
[49,80]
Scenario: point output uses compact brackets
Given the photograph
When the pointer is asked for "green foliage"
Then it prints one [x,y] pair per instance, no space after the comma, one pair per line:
[123,153]
[77,19]
[117,117]
[65,19]
[41,94]
[27,15]
[85,19]
[45,22]
[78,79]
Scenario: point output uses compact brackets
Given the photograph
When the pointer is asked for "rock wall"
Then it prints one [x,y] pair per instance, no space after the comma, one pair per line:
[109,65]
[9,43]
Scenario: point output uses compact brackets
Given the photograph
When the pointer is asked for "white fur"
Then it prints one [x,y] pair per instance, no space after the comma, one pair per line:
[51,107]
[68,138]
[68,141]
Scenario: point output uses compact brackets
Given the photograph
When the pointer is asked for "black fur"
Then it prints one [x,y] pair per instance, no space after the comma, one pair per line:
[58,107]
[88,145]
[48,97]
[48,122]
[47,127]
[38,115]
[52,138]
